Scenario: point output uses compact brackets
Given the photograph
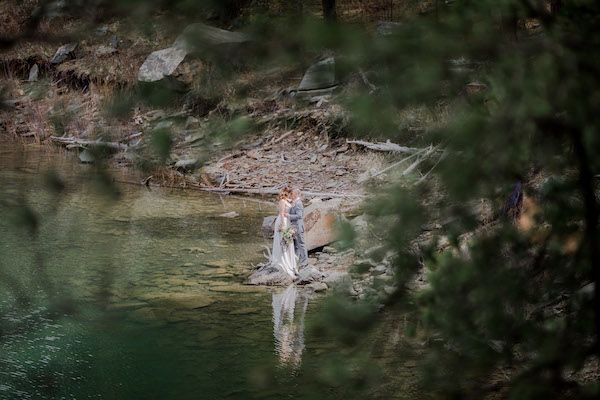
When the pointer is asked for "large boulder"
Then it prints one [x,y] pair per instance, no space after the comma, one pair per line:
[320,75]
[319,223]
[195,38]
[199,36]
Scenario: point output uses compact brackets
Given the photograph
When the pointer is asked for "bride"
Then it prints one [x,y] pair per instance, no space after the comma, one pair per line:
[283,255]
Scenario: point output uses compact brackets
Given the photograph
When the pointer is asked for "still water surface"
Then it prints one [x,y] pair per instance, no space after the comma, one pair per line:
[142,297]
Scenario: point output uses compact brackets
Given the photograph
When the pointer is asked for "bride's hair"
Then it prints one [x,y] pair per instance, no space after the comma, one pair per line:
[284,193]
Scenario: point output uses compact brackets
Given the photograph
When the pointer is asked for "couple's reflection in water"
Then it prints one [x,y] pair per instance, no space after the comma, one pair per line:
[289,308]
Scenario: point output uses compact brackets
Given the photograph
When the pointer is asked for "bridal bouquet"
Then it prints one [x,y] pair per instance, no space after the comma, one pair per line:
[287,236]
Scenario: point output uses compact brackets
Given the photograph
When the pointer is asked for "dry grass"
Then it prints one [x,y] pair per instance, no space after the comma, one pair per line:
[14,15]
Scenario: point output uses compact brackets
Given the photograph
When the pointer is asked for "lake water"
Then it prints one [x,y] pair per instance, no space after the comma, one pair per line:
[142,297]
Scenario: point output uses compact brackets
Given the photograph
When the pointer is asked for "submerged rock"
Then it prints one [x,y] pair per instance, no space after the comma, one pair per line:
[235,288]
[188,301]
[231,214]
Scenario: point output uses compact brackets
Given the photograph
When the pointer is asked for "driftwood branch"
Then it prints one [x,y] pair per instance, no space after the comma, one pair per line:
[261,191]
[75,142]
[276,191]
[366,81]
[422,179]
[421,154]
[384,146]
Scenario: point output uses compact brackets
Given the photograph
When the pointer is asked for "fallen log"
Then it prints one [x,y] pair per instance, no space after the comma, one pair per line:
[262,191]
[73,142]
[387,146]
[276,191]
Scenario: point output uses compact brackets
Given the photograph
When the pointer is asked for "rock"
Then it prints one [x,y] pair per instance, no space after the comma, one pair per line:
[475,87]
[231,214]
[389,290]
[378,270]
[183,300]
[86,157]
[319,223]
[318,286]
[309,274]
[33,73]
[320,75]
[63,52]
[217,264]
[187,265]
[268,225]
[235,288]
[102,30]
[196,250]
[114,41]
[161,63]
[198,36]
[386,28]
[188,164]
[245,311]
[268,275]
[103,50]
[329,250]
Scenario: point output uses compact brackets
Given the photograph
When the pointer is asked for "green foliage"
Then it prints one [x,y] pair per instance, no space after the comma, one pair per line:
[161,143]
[522,104]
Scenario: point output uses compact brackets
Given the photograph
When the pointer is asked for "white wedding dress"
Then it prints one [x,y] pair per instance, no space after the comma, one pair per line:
[283,256]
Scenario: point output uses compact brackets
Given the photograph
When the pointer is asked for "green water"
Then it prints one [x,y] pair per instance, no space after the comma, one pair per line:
[142,297]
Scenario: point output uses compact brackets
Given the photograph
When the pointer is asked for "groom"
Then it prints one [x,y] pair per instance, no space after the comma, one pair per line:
[296,215]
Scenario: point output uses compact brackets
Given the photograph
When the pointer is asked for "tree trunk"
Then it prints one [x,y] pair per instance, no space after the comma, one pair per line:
[329,12]
[555,6]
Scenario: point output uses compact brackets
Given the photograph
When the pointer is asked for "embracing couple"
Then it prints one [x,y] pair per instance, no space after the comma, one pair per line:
[288,239]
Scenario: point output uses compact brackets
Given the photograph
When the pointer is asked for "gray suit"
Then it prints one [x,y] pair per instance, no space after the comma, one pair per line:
[297,220]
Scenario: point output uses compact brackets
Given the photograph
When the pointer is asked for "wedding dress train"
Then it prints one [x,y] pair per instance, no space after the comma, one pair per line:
[283,255]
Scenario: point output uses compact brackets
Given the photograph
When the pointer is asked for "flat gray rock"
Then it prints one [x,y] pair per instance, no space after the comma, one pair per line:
[161,63]
[188,164]
[34,73]
[86,157]
[63,53]
[104,50]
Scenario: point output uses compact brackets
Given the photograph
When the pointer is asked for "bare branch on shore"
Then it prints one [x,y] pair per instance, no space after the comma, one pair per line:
[384,146]
[75,142]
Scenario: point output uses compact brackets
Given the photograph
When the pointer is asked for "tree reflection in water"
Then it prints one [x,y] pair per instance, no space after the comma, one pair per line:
[288,325]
